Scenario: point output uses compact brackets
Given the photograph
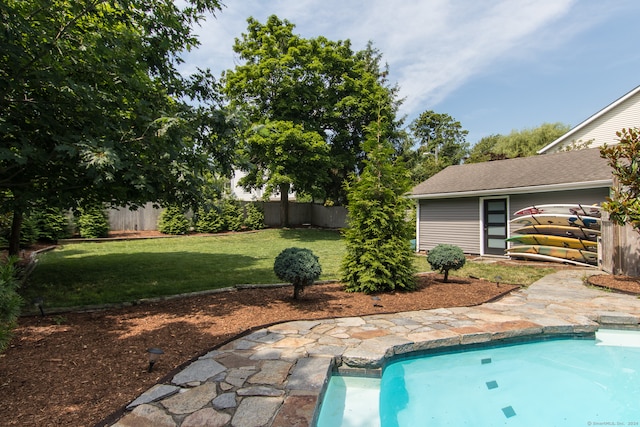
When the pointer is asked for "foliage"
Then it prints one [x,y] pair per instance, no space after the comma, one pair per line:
[10,301]
[52,224]
[232,214]
[285,157]
[484,150]
[210,221]
[173,221]
[298,266]
[379,255]
[313,96]
[624,204]
[444,258]
[442,143]
[93,222]
[28,232]
[254,217]
[92,104]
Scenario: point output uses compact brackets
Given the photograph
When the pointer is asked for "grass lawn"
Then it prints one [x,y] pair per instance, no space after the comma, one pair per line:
[118,271]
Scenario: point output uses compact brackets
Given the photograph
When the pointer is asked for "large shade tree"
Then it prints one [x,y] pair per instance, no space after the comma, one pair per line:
[319,86]
[92,106]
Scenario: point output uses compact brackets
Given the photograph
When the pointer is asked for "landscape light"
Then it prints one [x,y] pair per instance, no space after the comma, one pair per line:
[154,355]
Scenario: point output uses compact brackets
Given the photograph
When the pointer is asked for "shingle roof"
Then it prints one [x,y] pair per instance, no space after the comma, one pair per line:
[583,168]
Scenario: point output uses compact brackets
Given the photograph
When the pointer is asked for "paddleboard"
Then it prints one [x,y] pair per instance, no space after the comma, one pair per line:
[554,251]
[562,209]
[551,219]
[539,257]
[560,230]
[560,241]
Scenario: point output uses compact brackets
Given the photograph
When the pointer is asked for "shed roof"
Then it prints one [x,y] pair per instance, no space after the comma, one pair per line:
[578,169]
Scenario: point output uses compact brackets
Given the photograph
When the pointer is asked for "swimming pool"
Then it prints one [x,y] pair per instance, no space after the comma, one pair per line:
[563,382]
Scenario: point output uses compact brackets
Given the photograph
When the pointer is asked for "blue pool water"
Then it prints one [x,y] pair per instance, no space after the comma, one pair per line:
[568,382]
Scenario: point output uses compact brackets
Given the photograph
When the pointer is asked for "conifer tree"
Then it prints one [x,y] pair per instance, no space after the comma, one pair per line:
[378,250]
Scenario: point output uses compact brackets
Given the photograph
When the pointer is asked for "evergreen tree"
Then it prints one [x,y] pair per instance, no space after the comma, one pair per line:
[378,250]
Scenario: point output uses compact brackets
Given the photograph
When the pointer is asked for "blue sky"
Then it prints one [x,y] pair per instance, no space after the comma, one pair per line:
[493,65]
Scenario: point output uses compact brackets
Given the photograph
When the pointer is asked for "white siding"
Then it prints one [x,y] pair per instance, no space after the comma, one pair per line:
[451,221]
[603,129]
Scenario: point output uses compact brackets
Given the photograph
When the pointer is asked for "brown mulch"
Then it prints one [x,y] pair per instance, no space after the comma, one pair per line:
[76,369]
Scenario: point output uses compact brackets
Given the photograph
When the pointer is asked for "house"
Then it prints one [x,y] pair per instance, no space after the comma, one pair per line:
[470,205]
[601,128]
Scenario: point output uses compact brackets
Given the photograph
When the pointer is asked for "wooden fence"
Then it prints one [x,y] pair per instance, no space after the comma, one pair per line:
[146,218]
[619,249]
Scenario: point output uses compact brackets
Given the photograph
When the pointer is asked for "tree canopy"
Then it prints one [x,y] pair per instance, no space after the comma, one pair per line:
[441,142]
[624,158]
[519,143]
[316,84]
[92,106]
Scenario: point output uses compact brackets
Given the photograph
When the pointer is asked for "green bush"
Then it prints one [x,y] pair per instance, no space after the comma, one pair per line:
[28,232]
[446,257]
[173,221]
[93,222]
[232,214]
[209,221]
[10,301]
[297,266]
[52,224]
[254,217]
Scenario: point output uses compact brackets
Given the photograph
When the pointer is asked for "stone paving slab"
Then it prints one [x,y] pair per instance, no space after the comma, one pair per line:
[274,376]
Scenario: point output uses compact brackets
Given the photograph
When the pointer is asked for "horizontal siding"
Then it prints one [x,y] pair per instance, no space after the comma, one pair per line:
[450,221]
[603,129]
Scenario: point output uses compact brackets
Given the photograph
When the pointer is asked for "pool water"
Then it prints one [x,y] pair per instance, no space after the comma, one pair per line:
[566,382]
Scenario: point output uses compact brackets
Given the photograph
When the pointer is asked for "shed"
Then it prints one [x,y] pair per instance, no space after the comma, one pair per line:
[470,205]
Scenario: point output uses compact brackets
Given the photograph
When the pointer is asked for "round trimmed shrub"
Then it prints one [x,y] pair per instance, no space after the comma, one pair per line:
[446,257]
[298,266]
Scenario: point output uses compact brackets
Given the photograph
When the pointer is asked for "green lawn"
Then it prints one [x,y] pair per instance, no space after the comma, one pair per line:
[118,271]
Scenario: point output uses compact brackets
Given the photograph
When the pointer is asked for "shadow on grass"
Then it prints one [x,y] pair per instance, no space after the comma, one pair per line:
[116,278]
[309,235]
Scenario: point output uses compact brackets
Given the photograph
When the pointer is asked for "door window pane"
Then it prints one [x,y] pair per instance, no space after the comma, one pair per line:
[497,243]
[496,218]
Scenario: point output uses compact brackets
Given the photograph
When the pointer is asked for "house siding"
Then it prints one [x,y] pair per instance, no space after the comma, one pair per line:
[603,129]
[450,221]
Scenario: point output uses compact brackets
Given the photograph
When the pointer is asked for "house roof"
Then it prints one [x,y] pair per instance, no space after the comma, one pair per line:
[578,169]
[590,120]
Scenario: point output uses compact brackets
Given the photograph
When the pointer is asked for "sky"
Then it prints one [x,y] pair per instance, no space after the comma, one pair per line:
[493,65]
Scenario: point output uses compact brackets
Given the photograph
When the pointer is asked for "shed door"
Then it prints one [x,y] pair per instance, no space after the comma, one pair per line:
[495,226]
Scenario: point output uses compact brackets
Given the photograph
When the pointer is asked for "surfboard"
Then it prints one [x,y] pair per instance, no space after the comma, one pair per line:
[578,255]
[548,240]
[562,209]
[557,219]
[560,230]
[539,257]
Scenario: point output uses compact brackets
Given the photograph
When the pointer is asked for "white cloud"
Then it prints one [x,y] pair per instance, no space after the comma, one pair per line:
[432,47]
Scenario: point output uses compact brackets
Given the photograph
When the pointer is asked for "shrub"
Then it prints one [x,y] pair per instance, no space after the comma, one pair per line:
[254,217]
[28,232]
[93,222]
[173,221]
[232,215]
[52,224]
[446,257]
[297,266]
[210,221]
[10,301]
[378,249]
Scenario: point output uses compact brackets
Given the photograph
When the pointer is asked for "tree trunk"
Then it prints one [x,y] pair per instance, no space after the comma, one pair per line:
[284,205]
[14,238]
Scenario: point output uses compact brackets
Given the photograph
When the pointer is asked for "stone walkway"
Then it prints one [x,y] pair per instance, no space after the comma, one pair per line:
[274,376]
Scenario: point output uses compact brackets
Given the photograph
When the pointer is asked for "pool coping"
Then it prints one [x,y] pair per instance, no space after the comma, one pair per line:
[276,376]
